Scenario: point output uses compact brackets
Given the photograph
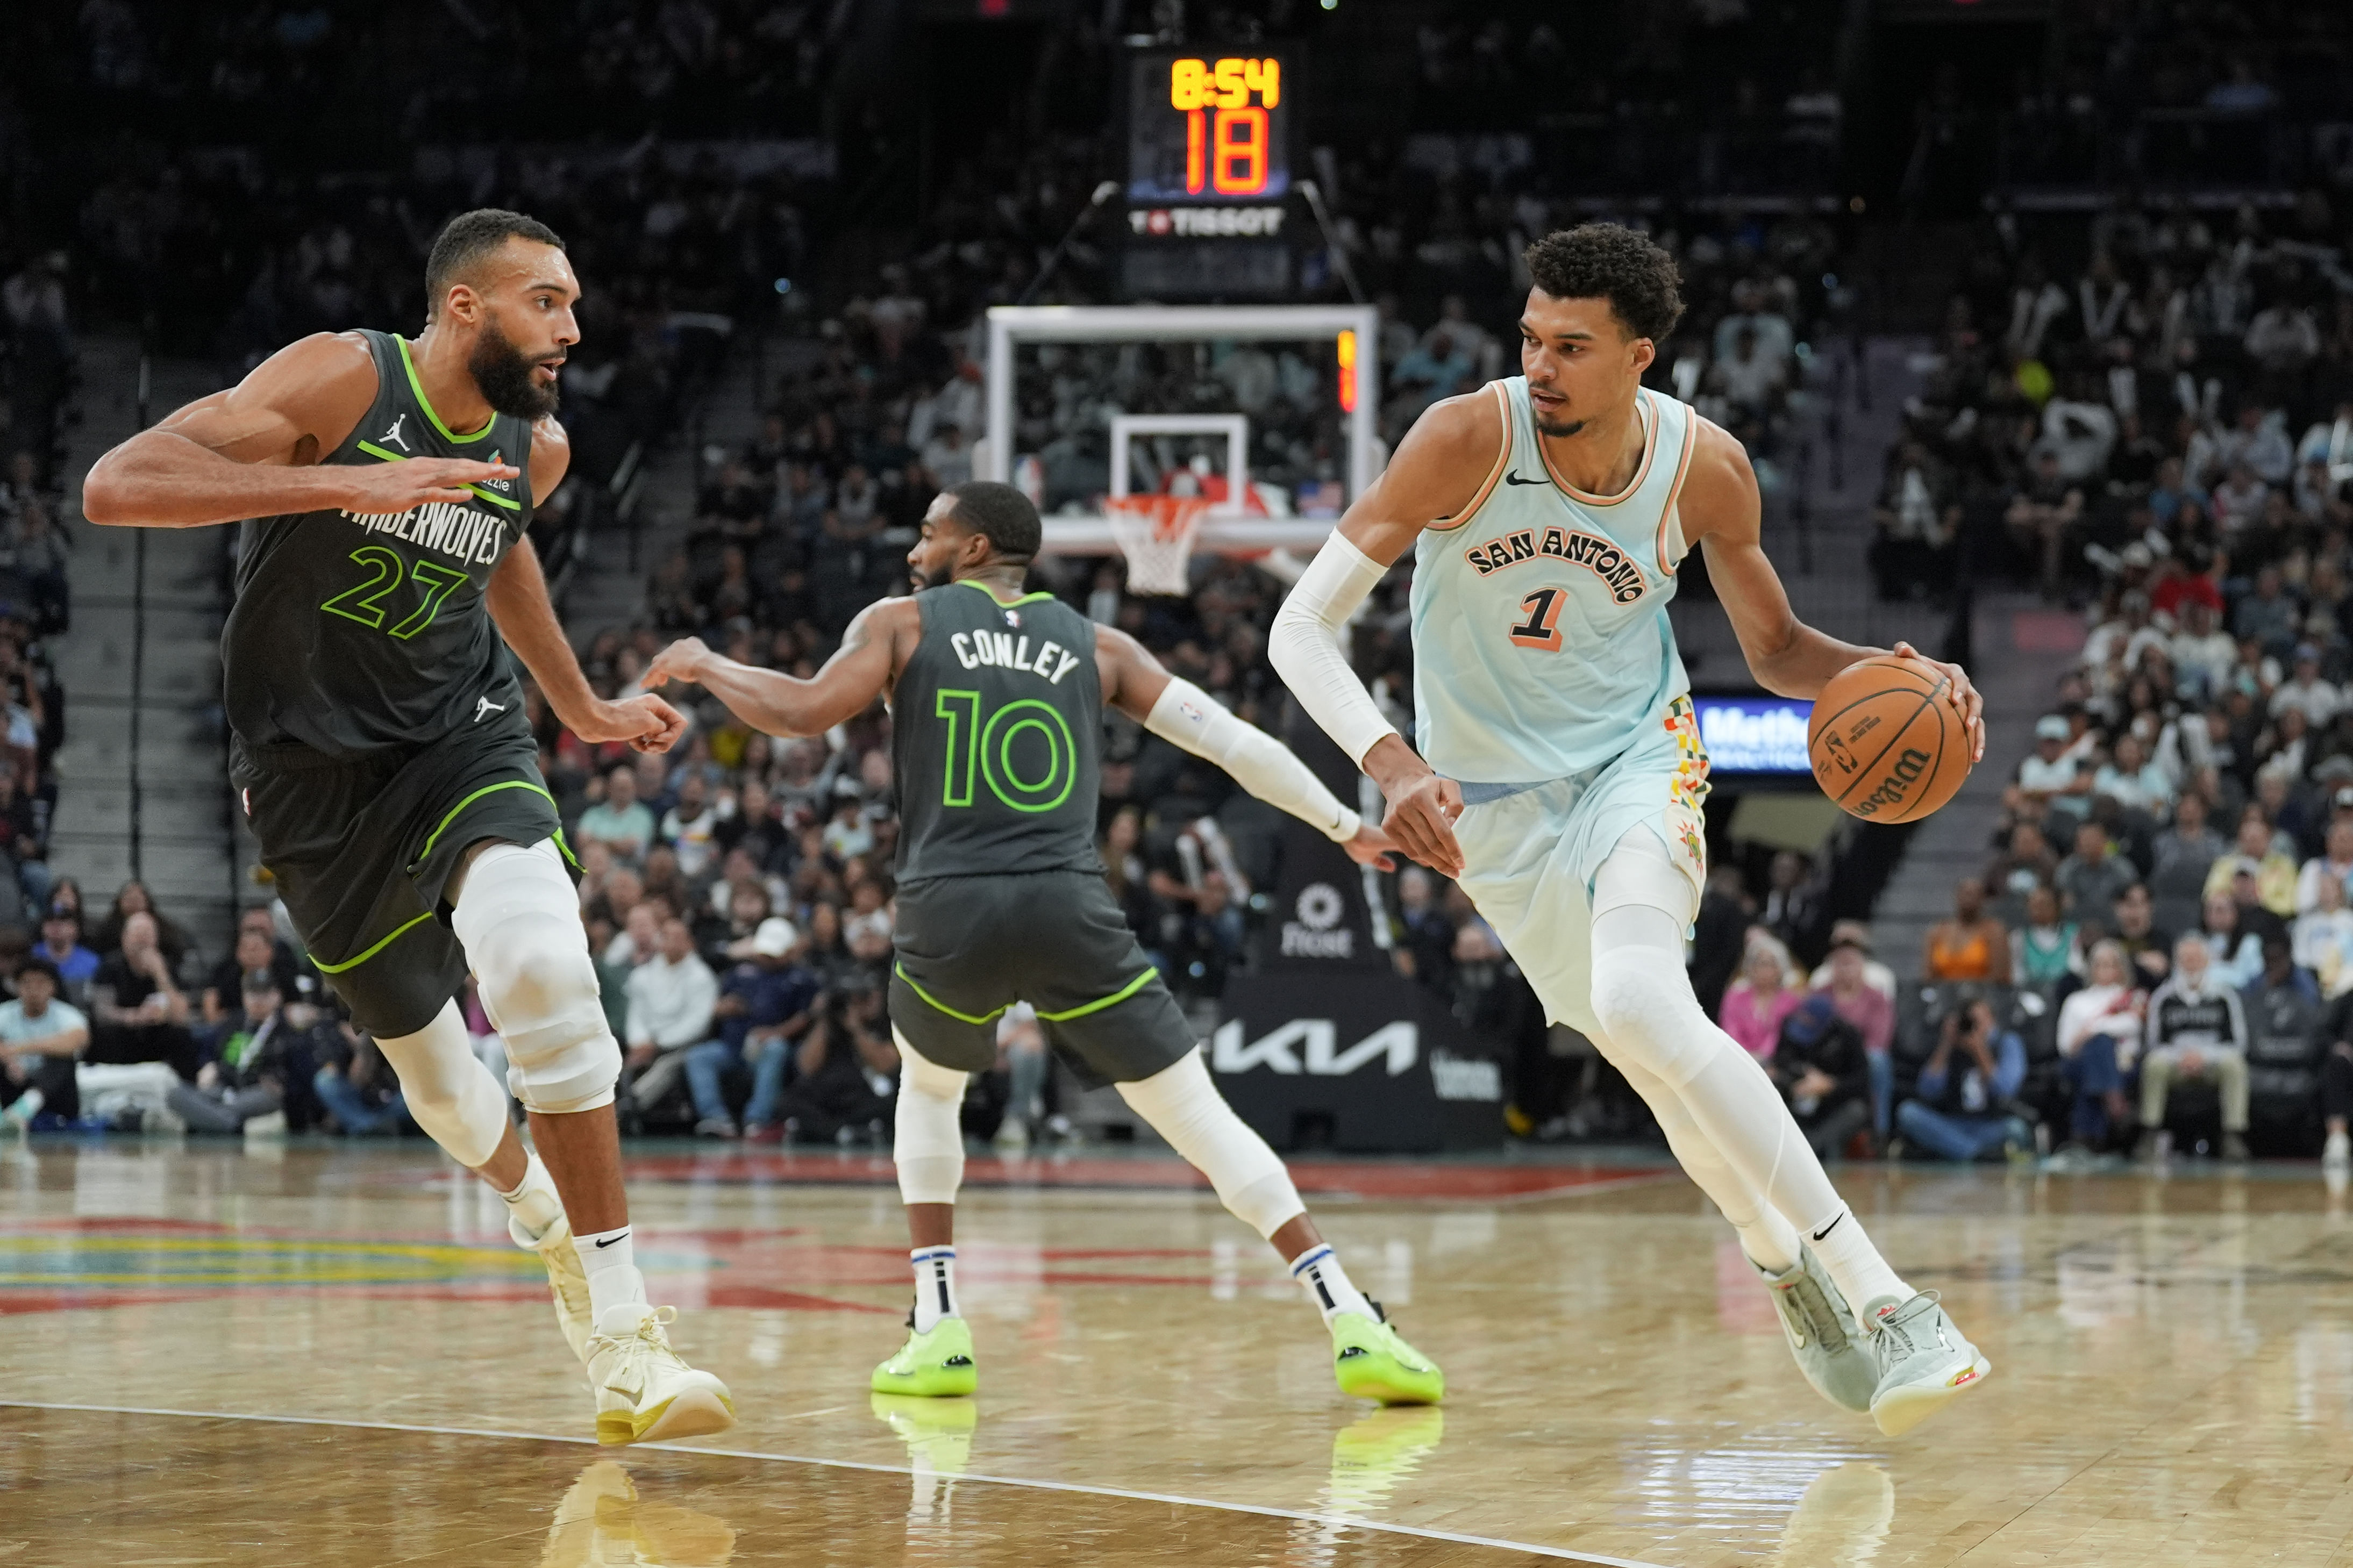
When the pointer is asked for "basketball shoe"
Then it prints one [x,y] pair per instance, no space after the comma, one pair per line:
[938,1432]
[1821,1332]
[1924,1362]
[566,1281]
[937,1364]
[644,1392]
[603,1520]
[1370,1360]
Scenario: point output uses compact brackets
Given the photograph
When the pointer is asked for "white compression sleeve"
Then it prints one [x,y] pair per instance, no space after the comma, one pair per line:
[448,1089]
[1184,1106]
[1189,716]
[1305,646]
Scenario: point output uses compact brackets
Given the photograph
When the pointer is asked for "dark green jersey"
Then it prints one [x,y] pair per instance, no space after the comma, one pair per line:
[996,737]
[354,636]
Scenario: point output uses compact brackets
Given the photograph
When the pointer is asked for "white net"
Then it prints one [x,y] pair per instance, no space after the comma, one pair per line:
[1155,532]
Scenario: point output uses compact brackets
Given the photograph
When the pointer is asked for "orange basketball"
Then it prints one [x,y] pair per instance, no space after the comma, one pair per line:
[1886,743]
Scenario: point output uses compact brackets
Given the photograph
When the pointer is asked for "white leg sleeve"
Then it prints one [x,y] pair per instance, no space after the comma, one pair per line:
[927,1142]
[448,1089]
[519,919]
[1184,1107]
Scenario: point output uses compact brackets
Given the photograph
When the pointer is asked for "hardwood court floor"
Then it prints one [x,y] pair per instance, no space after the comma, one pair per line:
[329,1356]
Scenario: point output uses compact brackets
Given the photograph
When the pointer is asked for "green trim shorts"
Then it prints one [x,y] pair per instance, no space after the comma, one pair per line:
[361,852]
[970,947]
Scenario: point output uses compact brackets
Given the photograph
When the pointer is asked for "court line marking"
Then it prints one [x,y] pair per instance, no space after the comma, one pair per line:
[1264,1511]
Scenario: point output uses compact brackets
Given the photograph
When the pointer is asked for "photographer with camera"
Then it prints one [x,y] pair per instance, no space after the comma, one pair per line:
[1961,1108]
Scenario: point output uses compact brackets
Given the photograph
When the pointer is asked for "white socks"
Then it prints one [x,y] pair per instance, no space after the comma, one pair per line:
[609,1260]
[1318,1270]
[1862,1274]
[936,1295]
[533,1206]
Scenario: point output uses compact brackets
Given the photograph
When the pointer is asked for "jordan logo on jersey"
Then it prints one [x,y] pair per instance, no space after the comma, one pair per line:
[393,437]
[1604,559]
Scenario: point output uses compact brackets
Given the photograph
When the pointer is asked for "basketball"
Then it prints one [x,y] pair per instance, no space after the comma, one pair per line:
[1885,743]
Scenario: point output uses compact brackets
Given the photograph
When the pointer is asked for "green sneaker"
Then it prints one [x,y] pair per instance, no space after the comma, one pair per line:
[1372,1360]
[1822,1334]
[1924,1361]
[936,1365]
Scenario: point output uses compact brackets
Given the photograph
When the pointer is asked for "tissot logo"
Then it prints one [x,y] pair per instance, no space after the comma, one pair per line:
[1159,222]
[1316,1041]
[1316,932]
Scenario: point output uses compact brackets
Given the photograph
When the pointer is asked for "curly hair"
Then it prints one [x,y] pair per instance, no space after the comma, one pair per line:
[1607,261]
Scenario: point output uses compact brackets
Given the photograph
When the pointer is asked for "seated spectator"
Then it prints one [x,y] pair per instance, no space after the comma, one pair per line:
[2186,851]
[2307,692]
[2323,939]
[620,821]
[1022,1058]
[671,998]
[1849,985]
[40,1036]
[130,900]
[1961,1106]
[247,1078]
[2196,1029]
[140,1012]
[1972,946]
[1755,1005]
[2335,863]
[61,944]
[2091,877]
[2051,779]
[2042,949]
[766,1006]
[258,948]
[2134,781]
[2284,1014]
[2236,952]
[2147,948]
[1820,1066]
[2098,1038]
[2253,852]
[847,1070]
[358,1086]
[689,826]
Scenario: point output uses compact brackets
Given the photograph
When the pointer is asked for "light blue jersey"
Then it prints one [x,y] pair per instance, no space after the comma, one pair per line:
[1542,646]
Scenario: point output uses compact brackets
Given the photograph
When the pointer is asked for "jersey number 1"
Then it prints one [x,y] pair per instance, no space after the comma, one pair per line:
[365,603]
[983,749]
[1539,626]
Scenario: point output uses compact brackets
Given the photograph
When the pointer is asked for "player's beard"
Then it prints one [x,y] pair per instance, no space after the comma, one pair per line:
[503,372]
[939,579]
[1558,427]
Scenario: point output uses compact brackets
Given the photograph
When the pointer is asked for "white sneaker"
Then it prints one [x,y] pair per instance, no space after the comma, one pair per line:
[263,1127]
[2338,1154]
[1924,1361]
[645,1393]
[567,1281]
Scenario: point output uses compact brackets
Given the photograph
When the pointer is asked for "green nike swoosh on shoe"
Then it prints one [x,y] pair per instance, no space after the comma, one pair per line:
[937,1364]
[1371,1361]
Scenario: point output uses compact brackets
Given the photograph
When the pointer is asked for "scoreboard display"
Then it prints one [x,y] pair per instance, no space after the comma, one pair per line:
[1209,172]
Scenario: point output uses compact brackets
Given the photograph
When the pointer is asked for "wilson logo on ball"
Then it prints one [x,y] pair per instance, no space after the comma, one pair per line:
[1898,783]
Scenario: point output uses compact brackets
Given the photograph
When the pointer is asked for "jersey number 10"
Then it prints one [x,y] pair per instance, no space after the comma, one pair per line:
[981,749]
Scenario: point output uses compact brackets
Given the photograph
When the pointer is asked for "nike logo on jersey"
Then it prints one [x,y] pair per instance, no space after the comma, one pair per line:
[1617,572]
[1002,650]
[484,708]
[393,437]
[1514,479]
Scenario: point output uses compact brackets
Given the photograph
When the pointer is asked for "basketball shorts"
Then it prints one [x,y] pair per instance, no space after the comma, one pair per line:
[1531,852]
[970,947]
[362,850]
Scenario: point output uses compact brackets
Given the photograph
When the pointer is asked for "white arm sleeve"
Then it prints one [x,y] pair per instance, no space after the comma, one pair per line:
[1188,717]
[1305,646]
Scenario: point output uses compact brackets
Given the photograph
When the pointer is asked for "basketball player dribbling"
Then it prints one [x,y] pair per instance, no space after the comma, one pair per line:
[382,755]
[1559,772]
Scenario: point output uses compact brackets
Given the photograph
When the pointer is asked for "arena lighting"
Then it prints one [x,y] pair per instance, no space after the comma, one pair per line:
[1348,350]
[783,285]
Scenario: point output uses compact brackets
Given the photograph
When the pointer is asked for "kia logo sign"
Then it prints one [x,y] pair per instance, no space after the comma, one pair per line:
[1399,1044]
[1316,932]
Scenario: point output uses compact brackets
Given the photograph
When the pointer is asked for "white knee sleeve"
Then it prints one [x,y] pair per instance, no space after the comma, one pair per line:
[448,1089]
[1184,1107]
[927,1142]
[519,919]
[1642,995]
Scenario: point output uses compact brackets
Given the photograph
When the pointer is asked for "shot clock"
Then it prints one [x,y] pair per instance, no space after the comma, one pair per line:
[1208,173]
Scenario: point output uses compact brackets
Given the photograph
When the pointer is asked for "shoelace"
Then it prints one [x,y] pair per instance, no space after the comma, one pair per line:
[1901,1343]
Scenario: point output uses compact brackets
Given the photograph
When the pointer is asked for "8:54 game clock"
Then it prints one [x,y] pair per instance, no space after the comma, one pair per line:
[1207,128]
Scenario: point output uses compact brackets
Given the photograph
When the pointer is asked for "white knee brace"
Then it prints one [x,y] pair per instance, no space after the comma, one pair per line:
[1184,1107]
[1642,995]
[448,1089]
[519,919]
[927,1144]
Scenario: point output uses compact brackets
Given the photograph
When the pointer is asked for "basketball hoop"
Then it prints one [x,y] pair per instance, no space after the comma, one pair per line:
[1155,532]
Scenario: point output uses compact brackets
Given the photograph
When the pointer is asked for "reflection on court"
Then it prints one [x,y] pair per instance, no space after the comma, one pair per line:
[2174,1382]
